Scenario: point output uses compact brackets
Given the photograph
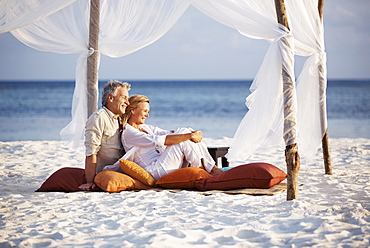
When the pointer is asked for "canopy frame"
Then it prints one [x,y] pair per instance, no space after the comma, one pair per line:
[291,151]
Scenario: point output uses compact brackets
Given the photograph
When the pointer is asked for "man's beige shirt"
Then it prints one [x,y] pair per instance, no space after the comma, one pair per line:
[102,137]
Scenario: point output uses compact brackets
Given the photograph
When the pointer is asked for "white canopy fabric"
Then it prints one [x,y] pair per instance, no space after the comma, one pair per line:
[16,14]
[127,26]
[263,125]
[308,31]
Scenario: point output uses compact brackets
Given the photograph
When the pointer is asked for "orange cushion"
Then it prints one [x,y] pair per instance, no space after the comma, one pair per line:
[183,178]
[114,181]
[253,175]
[136,171]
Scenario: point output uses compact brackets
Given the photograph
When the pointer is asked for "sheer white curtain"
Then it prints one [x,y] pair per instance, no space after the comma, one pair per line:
[128,26]
[308,32]
[19,13]
[125,27]
[263,125]
[65,31]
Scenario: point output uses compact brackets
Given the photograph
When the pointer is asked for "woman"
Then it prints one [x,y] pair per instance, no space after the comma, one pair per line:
[159,151]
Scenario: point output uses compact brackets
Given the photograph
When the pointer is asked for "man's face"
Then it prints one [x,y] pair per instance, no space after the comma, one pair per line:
[117,103]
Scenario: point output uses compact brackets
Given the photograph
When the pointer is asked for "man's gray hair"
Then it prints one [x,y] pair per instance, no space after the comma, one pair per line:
[111,88]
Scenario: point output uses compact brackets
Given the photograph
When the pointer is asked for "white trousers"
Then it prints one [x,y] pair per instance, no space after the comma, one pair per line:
[180,155]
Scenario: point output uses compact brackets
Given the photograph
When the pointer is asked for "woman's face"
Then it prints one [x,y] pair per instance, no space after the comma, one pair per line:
[139,114]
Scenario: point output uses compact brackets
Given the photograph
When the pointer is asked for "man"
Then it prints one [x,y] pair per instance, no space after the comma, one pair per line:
[102,134]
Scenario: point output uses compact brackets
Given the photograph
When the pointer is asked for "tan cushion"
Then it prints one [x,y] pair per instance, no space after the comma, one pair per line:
[136,171]
[113,181]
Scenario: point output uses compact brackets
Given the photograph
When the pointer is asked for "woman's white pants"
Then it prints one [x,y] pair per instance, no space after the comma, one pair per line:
[181,155]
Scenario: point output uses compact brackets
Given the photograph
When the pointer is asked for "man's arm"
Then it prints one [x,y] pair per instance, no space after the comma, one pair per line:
[90,171]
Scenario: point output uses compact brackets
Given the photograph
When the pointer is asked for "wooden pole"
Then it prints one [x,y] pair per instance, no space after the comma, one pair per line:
[321,8]
[322,86]
[291,151]
[92,60]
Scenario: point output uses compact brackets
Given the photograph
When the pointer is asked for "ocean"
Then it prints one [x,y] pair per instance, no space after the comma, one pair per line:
[39,110]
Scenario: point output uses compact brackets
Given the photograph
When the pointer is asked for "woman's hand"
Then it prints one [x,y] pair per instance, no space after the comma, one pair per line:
[196,136]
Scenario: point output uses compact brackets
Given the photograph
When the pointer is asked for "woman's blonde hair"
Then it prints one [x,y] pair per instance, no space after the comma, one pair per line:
[134,102]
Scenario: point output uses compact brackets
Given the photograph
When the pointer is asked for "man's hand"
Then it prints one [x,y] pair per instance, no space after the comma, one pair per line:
[87,186]
[196,136]
[90,170]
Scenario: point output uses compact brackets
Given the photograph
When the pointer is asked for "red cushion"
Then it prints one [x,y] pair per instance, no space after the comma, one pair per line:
[253,175]
[67,179]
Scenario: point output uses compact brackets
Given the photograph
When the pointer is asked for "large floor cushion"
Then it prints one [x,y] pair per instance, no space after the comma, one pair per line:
[66,179]
[253,175]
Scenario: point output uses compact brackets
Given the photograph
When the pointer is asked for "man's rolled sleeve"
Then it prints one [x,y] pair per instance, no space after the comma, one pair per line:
[93,135]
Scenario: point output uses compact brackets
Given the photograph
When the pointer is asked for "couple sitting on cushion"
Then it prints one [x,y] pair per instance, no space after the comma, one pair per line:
[158,151]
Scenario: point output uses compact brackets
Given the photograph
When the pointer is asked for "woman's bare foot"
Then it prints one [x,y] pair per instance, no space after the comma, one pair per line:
[216,171]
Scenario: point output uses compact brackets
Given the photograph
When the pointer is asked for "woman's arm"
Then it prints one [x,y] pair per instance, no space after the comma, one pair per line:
[195,136]
[133,137]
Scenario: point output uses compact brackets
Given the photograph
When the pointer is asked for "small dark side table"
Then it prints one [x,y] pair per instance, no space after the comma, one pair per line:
[219,152]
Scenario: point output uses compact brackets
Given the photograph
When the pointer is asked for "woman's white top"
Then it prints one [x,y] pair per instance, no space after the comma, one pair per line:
[143,147]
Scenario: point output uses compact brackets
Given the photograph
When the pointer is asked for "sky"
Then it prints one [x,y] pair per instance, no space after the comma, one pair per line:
[198,47]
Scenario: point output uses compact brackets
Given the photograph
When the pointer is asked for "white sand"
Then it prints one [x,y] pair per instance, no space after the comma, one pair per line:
[332,211]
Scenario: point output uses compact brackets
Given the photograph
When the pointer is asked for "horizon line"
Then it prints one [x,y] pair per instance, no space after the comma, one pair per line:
[165,80]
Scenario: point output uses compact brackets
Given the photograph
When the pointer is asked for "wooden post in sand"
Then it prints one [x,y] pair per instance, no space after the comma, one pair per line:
[322,87]
[92,60]
[291,151]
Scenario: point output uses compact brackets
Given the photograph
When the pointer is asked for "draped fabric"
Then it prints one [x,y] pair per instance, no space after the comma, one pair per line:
[263,125]
[16,14]
[308,30]
[127,26]
[65,31]
[263,122]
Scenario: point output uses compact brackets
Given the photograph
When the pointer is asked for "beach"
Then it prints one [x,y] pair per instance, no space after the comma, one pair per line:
[331,210]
